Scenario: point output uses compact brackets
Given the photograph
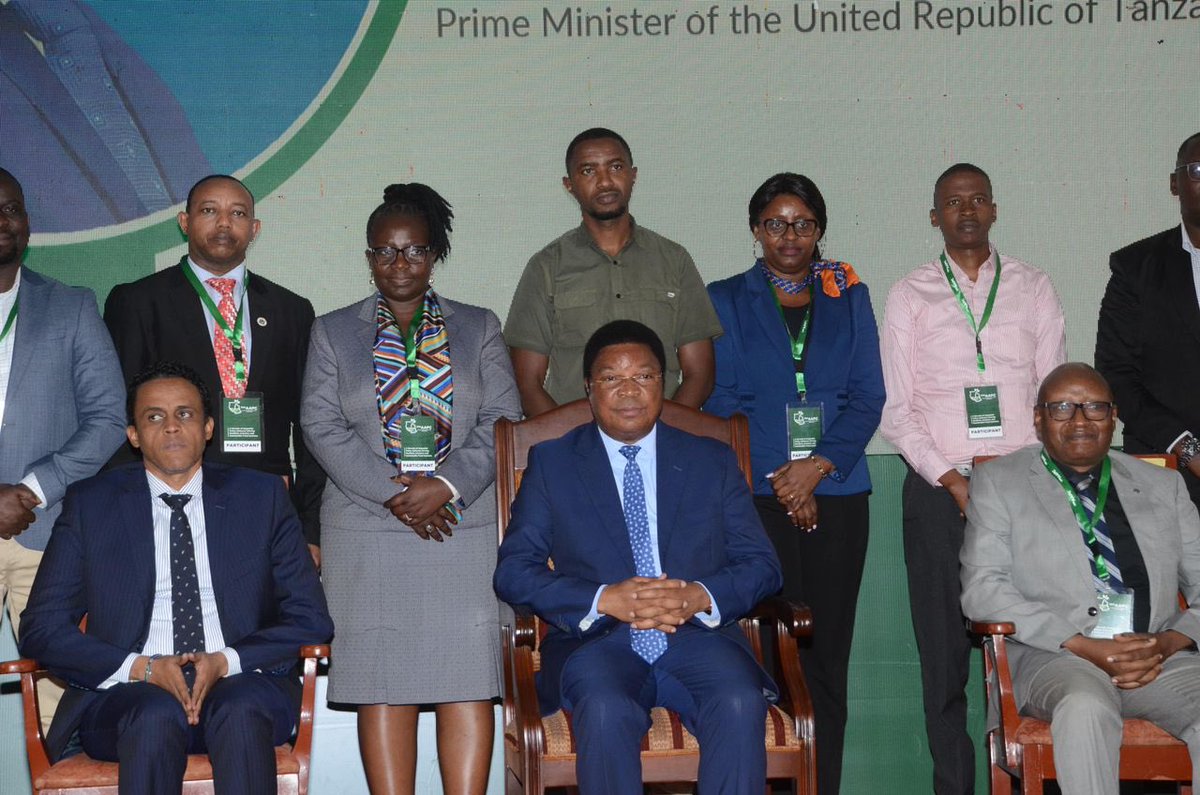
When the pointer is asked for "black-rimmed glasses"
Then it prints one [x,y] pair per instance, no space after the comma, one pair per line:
[383,256]
[1063,410]
[1192,170]
[776,227]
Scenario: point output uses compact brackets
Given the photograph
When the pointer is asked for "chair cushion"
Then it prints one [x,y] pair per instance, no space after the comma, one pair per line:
[83,771]
[666,736]
[1137,732]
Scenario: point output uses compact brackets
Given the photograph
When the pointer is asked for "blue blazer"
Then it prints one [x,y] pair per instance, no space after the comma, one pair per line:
[100,562]
[568,510]
[64,413]
[756,376]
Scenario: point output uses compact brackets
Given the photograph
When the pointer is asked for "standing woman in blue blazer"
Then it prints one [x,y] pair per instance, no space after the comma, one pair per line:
[800,357]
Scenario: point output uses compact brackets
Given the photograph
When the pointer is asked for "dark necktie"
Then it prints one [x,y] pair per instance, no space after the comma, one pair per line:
[1103,541]
[187,620]
[648,643]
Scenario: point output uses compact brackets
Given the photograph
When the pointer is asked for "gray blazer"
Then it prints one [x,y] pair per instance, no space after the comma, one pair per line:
[340,416]
[1024,559]
[64,411]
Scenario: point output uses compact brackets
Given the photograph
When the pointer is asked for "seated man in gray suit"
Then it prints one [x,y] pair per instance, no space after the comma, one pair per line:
[1085,550]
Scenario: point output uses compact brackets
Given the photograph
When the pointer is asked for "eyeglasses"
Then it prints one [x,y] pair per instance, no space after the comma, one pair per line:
[803,227]
[1192,170]
[1061,411]
[610,383]
[386,255]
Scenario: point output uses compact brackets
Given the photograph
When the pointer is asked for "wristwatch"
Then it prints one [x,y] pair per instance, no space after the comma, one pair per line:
[1188,449]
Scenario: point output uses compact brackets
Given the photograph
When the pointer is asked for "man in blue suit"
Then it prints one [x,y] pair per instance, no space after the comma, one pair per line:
[199,592]
[60,399]
[657,552]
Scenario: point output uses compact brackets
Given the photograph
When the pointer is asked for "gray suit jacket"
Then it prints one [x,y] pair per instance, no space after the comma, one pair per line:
[1024,559]
[340,415]
[64,412]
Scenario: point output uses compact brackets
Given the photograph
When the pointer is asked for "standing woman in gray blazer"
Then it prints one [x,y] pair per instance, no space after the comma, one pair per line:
[400,395]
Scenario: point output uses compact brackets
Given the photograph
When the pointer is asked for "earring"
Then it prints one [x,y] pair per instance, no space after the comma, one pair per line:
[756,249]
[371,280]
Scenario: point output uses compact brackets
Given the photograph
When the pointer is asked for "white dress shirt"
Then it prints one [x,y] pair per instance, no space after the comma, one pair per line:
[161,638]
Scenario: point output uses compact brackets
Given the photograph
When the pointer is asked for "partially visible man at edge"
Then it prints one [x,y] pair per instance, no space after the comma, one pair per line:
[608,268]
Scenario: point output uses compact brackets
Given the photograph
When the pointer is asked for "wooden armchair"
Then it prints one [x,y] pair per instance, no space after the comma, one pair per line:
[540,752]
[82,775]
[1021,748]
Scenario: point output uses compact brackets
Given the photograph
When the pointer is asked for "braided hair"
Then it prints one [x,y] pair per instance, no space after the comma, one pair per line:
[415,200]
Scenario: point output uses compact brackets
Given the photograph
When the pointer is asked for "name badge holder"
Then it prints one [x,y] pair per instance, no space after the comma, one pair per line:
[982,399]
[242,423]
[804,421]
[1114,605]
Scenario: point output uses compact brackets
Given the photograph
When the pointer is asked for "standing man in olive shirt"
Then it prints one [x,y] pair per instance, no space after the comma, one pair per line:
[608,268]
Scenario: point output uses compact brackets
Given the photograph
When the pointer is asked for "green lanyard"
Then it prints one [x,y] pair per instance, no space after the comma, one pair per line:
[12,321]
[962,303]
[410,356]
[234,335]
[1087,525]
[799,341]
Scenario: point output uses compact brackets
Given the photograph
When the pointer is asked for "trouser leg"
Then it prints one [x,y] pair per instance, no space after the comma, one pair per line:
[144,729]
[18,567]
[243,718]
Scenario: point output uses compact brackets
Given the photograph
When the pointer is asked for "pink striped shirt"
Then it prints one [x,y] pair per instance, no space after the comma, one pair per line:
[928,352]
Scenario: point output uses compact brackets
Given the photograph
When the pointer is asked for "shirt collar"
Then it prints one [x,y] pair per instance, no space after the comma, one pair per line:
[192,487]
[1187,241]
[238,274]
[985,269]
[11,292]
[613,447]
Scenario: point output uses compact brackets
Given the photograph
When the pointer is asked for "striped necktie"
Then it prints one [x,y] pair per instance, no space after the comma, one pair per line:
[1103,541]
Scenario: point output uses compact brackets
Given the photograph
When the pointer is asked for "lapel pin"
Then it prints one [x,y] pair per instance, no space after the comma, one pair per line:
[262,321]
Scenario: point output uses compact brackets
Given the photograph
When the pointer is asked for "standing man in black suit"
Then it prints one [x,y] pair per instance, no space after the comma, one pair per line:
[1148,338]
[247,338]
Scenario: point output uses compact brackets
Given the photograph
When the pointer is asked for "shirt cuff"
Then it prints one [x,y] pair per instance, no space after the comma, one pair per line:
[31,482]
[594,614]
[234,660]
[1170,447]
[710,618]
[121,675]
[455,497]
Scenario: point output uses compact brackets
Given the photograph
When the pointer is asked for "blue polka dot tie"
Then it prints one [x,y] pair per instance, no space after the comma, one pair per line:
[648,643]
[186,617]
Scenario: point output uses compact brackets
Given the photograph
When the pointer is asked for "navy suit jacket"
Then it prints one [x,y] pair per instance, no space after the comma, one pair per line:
[72,181]
[756,376]
[568,510]
[100,563]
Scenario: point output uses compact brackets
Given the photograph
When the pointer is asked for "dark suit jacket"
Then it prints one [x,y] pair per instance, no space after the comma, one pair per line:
[161,318]
[71,179]
[756,376]
[1148,341]
[568,509]
[100,563]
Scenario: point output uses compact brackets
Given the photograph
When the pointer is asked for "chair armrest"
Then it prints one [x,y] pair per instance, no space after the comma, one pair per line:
[795,618]
[992,627]
[19,667]
[317,652]
[302,747]
[524,627]
[522,713]
[35,742]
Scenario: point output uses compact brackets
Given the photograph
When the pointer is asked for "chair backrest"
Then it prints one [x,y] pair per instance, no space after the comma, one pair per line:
[513,440]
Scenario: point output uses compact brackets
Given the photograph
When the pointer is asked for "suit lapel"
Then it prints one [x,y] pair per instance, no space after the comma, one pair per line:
[33,321]
[1177,278]
[263,321]
[596,481]
[1062,519]
[764,315]
[137,523]
[220,535]
[362,364]
[672,476]
[1144,519]
[192,326]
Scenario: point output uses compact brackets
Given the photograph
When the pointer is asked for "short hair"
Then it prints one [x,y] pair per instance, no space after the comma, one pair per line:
[414,200]
[596,134]
[1183,147]
[1071,370]
[959,168]
[790,184]
[211,178]
[622,332]
[8,175]
[165,369]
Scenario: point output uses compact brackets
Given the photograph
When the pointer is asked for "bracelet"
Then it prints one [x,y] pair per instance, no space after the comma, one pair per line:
[824,472]
[149,667]
[1188,449]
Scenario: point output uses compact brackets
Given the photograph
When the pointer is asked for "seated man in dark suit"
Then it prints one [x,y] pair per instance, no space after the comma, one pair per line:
[657,552]
[198,591]
[1085,550]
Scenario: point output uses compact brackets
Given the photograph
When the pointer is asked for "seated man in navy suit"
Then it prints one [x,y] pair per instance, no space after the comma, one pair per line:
[657,552]
[198,590]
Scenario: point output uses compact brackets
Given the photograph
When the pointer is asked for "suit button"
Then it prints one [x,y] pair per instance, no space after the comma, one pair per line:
[1092,611]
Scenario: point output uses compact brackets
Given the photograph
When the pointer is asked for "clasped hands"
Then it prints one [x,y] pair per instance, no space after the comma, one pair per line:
[167,672]
[794,484]
[1131,659]
[422,506]
[17,502]
[654,602]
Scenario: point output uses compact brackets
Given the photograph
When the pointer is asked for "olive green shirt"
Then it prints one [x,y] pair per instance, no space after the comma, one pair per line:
[571,288]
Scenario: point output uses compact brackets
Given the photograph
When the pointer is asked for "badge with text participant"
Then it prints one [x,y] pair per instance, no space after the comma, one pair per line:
[242,423]
[804,424]
[1115,614]
[983,412]
[418,437]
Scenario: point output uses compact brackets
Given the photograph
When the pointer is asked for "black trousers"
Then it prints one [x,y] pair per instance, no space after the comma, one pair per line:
[823,570]
[933,538]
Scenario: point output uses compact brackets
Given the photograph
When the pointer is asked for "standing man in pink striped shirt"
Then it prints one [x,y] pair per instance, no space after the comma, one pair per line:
[966,340]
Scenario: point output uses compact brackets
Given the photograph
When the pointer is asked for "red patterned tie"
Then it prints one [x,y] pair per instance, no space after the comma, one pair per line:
[222,347]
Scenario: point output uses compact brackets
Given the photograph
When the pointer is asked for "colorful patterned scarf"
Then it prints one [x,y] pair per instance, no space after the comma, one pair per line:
[433,369]
[835,277]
